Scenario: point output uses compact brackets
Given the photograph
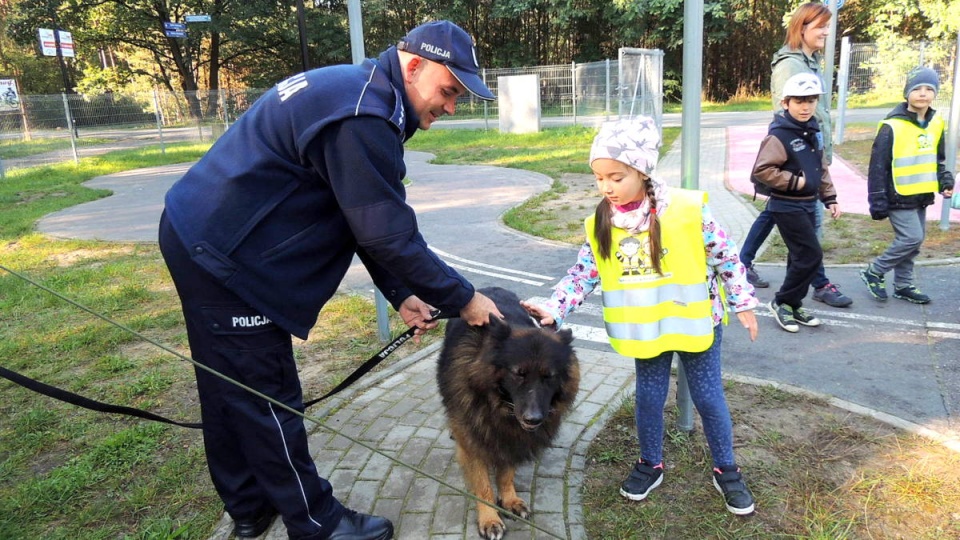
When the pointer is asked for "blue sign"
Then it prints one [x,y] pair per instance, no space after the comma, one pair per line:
[197,18]
[174,26]
[175,33]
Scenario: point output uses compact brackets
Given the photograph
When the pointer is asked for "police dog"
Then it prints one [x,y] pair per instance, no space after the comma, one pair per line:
[505,388]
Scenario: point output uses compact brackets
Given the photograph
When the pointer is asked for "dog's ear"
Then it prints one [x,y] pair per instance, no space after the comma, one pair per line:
[498,329]
[566,336]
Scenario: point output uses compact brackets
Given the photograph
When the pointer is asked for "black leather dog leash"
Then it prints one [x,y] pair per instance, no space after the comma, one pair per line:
[93,405]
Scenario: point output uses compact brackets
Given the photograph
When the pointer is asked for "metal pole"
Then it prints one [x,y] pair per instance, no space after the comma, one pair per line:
[843,78]
[302,29]
[383,317]
[356,31]
[606,106]
[828,54]
[953,128]
[156,108]
[690,151]
[573,89]
[73,135]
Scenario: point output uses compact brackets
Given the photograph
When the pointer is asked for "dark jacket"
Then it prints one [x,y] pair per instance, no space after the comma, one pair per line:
[309,176]
[791,151]
[881,193]
[788,62]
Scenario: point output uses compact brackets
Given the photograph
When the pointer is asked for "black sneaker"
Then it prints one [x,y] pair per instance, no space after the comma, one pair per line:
[641,481]
[830,295]
[754,278]
[911,294]
[804,317]
[784,316]
[729,482]
[875,284]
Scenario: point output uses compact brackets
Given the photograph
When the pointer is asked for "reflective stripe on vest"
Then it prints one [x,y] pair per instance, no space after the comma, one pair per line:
[645,313]
[914,165]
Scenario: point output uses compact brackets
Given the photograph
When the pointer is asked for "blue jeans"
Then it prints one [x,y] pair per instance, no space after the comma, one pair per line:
[706,390]
[759,232]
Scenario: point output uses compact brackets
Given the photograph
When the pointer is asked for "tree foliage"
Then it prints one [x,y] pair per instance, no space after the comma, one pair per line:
[256,42]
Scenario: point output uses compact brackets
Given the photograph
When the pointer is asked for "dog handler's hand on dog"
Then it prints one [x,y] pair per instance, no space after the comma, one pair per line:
[749,321]
[541,315]
[416,312]
[477,312]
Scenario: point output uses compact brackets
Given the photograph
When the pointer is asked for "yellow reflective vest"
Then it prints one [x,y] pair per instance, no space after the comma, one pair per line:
[646,313]
[915,155]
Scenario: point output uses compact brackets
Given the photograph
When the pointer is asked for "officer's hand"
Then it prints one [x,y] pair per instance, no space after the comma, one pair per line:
[478,311]
[834,210]
[416,312]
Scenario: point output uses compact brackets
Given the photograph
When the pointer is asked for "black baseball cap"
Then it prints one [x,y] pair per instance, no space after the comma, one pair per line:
[448,44]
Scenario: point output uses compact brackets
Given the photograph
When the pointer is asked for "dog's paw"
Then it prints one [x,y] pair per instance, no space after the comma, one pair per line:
[516,506]
[492,529]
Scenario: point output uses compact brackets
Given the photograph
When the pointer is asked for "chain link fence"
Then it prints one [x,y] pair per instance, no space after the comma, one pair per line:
[875,73]
[67,127]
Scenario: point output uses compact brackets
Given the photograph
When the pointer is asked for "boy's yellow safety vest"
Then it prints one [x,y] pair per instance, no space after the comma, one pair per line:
[646,313]
[915,155]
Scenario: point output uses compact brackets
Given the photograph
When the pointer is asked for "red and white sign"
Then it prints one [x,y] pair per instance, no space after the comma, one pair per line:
[48,44]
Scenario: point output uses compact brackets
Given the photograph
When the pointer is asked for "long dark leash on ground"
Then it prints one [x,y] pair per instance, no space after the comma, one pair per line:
[87,403]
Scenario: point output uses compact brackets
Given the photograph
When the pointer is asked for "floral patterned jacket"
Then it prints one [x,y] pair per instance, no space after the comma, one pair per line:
[723,264]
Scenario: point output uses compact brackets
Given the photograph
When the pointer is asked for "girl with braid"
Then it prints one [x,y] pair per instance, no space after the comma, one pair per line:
[672,302]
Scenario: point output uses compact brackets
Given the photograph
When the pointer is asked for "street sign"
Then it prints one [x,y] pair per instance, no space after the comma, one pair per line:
[174,26]
[48,43]
[175,33]
[197,18]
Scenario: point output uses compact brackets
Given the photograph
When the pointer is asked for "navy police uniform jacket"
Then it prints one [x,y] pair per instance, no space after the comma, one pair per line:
[309,176]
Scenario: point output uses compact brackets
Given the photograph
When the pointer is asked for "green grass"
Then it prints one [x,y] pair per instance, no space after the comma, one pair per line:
[11,148]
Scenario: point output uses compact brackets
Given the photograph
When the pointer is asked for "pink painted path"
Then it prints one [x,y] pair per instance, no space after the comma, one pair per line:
[743,142]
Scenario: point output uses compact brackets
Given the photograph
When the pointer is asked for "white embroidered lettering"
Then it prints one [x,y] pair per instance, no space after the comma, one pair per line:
[291,86]
[433,49]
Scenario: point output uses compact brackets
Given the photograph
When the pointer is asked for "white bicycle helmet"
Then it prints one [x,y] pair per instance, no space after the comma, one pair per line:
[801,85]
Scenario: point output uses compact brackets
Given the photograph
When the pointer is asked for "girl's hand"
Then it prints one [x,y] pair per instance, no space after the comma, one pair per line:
[538,313]
[749,321]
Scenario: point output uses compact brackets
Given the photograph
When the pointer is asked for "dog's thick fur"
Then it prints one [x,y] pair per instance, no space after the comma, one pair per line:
[505,388]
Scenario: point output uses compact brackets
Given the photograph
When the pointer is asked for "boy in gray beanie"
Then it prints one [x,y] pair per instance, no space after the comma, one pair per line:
[921,76]
[907,169]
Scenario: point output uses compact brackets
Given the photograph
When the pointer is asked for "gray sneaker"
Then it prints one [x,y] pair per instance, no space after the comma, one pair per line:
[784,315]
[754,278]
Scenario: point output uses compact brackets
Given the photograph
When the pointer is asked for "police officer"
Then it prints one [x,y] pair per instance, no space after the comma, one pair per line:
[259,234]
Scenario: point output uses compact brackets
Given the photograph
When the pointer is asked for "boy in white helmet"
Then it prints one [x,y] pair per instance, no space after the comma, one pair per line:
[791,163]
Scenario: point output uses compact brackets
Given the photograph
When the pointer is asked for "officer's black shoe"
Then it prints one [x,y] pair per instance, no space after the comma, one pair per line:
[356,526]
[254,526]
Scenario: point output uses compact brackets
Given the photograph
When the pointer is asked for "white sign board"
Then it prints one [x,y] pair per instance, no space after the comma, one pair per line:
[9,97]
[48,44]
[518,100]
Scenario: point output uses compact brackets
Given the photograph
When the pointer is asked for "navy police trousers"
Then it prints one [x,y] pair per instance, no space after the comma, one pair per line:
[257,452]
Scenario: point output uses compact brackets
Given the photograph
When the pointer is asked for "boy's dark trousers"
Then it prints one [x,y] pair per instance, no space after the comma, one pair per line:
[804,255]
[256,451]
